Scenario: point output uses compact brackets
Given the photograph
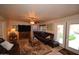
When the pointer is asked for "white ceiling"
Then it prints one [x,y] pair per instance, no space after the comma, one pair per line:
[44,11]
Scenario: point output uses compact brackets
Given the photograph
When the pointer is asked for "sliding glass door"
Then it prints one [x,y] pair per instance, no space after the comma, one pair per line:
[73,37]
[67,34]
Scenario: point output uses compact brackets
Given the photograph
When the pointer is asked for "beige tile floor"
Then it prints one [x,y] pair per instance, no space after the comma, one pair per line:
[55,51]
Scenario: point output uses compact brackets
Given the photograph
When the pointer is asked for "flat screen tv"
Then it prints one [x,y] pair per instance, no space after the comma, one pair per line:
[24,28]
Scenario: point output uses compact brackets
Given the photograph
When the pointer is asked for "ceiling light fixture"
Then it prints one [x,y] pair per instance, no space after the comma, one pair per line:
[32,18]
[32,22]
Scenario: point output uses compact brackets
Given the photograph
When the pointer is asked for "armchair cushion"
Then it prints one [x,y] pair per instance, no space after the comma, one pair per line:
[7,45]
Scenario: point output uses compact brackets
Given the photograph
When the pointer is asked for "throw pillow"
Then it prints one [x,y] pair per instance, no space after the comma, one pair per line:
[7,45]
[48,37]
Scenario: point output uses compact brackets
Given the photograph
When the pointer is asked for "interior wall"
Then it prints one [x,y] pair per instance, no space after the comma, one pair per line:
[8,24]
[64,19]
[67,18]
[12,23]
[50,27]
[35,27]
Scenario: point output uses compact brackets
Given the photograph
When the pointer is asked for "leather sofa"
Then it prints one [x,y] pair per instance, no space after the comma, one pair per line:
[43,37]
[15,50]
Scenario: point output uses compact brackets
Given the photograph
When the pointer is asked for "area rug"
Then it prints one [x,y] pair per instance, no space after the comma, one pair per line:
[43,50]
[37,48]
[67,52]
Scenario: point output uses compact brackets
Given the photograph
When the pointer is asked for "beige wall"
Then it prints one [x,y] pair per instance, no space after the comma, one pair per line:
[12,23]
[64,19]
[50,27]
[8,24]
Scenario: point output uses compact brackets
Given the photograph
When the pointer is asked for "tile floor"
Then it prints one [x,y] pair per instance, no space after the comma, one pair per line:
[55,51]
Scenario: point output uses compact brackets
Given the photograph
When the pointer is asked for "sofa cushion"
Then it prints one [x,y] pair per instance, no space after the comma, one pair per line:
[41,34]
[3,50]
[1,40]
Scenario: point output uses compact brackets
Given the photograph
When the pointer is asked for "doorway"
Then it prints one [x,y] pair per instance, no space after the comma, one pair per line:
[60,33]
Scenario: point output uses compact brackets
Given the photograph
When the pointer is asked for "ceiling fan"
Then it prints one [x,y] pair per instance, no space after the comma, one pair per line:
[32,18]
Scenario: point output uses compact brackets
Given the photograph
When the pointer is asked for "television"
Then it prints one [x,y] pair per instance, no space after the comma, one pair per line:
[24,28]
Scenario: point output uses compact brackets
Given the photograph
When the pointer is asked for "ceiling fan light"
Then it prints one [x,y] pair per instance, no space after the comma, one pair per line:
[32,22]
